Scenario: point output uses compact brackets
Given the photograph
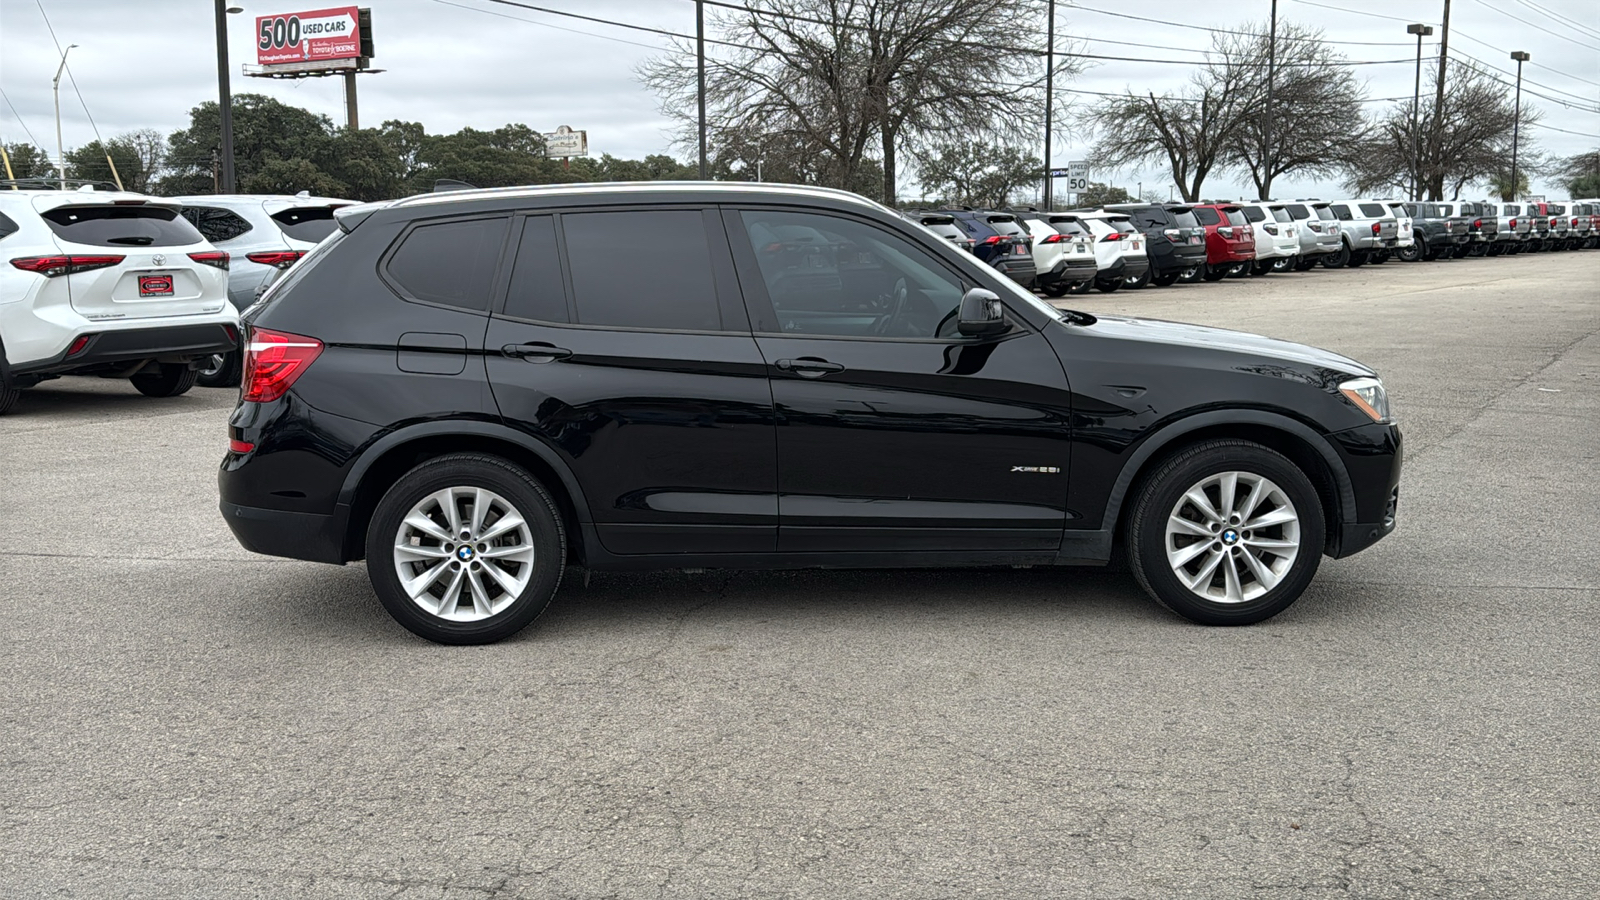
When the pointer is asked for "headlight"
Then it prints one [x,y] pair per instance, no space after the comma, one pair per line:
[1369,396]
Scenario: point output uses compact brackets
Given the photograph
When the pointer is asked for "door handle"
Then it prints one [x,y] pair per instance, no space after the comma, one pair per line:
[538,352]
[808,366]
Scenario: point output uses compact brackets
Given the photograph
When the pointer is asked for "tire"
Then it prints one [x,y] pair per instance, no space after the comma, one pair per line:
[1287,552]
[1139,281]
[1478,250]
[1193,274]
[8,398]
[1054,290]
[1410,254]
[1359,258]
[1216,273]
[1460,251]
[172,379]
[1496,249]
[222,370]
[1285,263]
[1378,257]
[1306,264]
[1337,259]
[1082,287]
[466,608]
[1106,287]
[1164,279]
[1260,267]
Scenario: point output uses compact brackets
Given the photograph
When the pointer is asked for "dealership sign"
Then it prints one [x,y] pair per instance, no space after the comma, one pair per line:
[564,142]
[317,35]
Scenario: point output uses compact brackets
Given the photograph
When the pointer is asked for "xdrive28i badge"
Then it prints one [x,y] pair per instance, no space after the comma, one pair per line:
[1037,470]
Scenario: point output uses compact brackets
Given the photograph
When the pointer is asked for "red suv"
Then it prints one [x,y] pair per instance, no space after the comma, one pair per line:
[1230,241]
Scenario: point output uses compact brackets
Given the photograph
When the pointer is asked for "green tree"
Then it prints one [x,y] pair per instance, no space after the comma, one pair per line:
[28,161]
[1581,175]
[1102,194]
[976,173]
[1500,185]
[138,155]
[513,154]
[263,129]
[291,176]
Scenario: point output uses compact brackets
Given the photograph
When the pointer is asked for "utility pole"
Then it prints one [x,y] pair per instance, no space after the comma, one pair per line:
[1421,31]
[224,97]
[55,87]
[700,60]
[1047,195]
[1516,119]
[352,119]
[1272,75]
[1437,137]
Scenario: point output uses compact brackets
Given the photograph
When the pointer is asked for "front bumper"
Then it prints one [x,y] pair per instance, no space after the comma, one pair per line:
[1373,456]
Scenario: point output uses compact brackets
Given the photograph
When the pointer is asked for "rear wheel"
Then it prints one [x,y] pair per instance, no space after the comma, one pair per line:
[1378,257]
[1284,263]
[219,370]
[1358,258]
[1306,264]
[1261,267]
[1081,287]
[1226,532]
[8,398]
[1216,273]
[1164,279]
[170,380]
[1460,251]
[1109,285]
[465,549]
[1337,259]
[1192,274]
[1411,253]
[1055,289]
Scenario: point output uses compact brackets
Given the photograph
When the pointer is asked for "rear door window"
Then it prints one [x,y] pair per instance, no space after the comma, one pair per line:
[1513,210]
[537,291]
[121,226]
[1207,216]
[307,223]
[216,224]
[608,251]
[449,263]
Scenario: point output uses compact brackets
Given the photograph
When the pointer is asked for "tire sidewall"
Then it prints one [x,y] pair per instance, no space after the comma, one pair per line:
[1147,530]
[462,470]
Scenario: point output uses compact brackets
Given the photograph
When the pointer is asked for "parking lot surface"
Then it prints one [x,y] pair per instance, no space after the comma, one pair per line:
[185,719]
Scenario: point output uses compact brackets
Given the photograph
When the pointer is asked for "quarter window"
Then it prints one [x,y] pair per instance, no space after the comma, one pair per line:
[7,226]
[214,224]
[451,263]
[642,269]
[838,277]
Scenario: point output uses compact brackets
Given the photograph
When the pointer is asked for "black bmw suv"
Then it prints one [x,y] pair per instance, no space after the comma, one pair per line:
[474,390]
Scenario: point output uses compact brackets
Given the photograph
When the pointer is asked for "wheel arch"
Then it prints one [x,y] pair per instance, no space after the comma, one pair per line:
[382,464]
[1303,446]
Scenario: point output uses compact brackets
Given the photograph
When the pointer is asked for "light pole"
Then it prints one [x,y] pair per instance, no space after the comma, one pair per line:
[1047,195]
[1421,31]
[1516,119]
[225,94]
[55,87]
[700,77]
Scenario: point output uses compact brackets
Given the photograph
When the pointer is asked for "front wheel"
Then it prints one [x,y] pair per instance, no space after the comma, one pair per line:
[465,548]
[170,380]
[1226,532]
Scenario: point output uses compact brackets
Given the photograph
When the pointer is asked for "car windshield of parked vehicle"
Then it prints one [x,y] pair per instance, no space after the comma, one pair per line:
[215,224]
[1280,214]
[1207,216]
[1185,217]
[121,226]
[832,276]
[1254,213]
[307,223]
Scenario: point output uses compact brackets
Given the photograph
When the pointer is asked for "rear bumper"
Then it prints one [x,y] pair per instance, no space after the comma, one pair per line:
[1124,267]
[1069,271]
[295,535]
[124,346]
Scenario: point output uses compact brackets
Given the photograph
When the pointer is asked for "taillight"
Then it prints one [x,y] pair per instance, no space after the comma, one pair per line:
[1377,227]
[1225,231]
[1113,236]
[272,362]
[991,239]
[78,343]
[215,258]
[1574,223]
[283,259]
[1272,228]
[237,446]
[1172,233]
[1513,224]
[51,266]
[1476,223]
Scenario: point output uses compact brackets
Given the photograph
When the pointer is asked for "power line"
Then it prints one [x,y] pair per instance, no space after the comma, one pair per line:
[1459,33]
[1562,130]
[25,130]
[603,37]
[73,81]
[1547,87]
[1556,100]
[1559,18]
[1358,12]
[1106,12]
[1539,27]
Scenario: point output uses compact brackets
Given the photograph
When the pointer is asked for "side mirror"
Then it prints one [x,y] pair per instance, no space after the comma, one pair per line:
[981,314]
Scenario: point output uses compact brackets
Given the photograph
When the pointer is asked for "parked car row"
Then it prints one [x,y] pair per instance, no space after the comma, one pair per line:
[124,285]
[1135,244]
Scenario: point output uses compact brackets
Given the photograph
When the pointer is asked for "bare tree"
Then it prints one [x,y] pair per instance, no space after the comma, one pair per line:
[1469,144]
[842,78]
[1316,106]
[1580,174]
[1195,132]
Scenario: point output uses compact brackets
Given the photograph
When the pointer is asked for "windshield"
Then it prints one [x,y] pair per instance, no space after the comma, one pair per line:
[121,226]
[307,223]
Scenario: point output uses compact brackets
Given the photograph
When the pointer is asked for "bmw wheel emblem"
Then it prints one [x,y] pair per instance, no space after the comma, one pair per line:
[464,554]
[1228,537]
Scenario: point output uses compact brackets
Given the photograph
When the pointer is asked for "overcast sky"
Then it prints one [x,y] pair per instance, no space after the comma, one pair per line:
[456,63]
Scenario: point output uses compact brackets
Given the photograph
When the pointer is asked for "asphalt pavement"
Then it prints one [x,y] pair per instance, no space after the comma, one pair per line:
[186,719]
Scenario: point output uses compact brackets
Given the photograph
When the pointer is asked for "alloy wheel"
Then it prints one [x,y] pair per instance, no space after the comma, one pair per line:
[1232,537]
[464,554]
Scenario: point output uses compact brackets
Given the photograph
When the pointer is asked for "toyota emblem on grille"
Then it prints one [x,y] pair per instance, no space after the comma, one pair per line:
[159,260]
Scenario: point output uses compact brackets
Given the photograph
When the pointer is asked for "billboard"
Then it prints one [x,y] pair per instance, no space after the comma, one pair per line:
[565,142]
[317,35]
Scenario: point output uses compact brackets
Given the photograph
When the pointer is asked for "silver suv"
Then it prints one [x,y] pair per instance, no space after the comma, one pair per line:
[1513,225]
[1366,227]
[1319,231]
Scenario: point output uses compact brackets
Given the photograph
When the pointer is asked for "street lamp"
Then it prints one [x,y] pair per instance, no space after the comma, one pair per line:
[55,86]
[225,94]
[1516,118]
[1421,31]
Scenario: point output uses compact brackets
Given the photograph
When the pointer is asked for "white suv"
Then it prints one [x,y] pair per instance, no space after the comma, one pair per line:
[1062,252]
[1120,256]
[1277,240]
[264,233]
[107,283]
